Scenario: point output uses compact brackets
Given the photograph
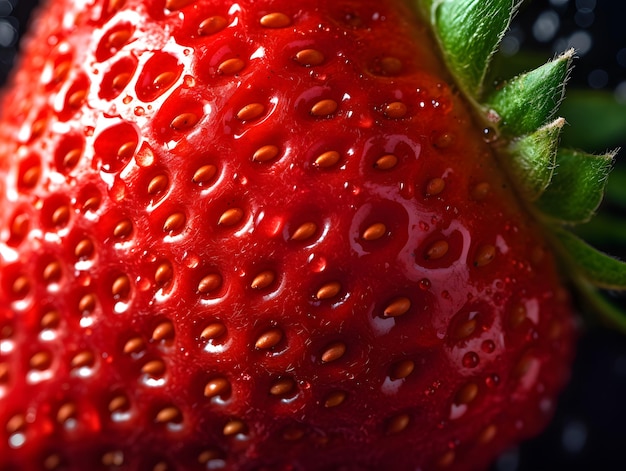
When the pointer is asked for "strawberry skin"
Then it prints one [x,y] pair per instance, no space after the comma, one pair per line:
[261,235]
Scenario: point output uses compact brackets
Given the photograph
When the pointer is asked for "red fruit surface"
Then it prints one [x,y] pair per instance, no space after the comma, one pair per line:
[261,235]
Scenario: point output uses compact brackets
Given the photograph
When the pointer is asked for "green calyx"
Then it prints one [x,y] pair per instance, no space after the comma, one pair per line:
[562,187]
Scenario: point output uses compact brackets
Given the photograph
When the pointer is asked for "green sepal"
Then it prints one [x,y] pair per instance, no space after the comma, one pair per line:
[597,268]
[469,32]
[530,100]
[532,158]
[577,186]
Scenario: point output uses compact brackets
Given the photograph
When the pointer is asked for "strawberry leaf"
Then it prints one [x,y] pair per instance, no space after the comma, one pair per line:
[530,100]
[532,159]
[470,32]
[596,267]
[577,186]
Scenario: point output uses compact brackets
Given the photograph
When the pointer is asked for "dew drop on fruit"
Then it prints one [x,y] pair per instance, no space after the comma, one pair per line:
[424,284]
[471,360]
[488,346]
[489,135]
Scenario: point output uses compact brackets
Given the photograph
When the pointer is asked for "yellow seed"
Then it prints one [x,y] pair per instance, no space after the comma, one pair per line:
[282,387]
[386,162]
[250,112]
[204,174]
[71,158]
[163,331]
[216,387]
[66,412]
[265,153]
[212,25]
[398,307]
[209,283]
[309,57]
[231,66]
[76,99]
[484,255]
[437,250]
[154,368]
[174,222]
[61,216]
[329,290]
[213,331]
[334,352]
[397,424]
[164,79]
[123,229]
[118,404]
[269,339]
[117,39]
[52,272]
[163,274]
[87,303]
[84,249]
[327,159]
[466,394]
[435,186]
[395,110]
[31,176]
[304,231]
[157,184]
[234,427]
[121,80]
[121,287]
[230,217]
[374,232]
[15,424]
[169,414]
[402,369]
[263,280]
[134,345]
[275,20]
[82,360]
[184,121]
[335,398]
[324,108]
[50,320]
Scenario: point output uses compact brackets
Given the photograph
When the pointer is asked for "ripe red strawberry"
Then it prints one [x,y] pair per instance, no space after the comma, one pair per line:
[264,235]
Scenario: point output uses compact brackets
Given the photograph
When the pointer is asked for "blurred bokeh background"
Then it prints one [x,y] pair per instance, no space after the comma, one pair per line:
[589,429]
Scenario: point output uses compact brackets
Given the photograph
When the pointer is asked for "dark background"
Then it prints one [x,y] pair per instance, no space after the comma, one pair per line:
[589,429]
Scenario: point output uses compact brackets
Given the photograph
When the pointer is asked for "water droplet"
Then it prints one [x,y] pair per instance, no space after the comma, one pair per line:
[488,346]
[492,381]
[489,135]
[139,111]
[424,284]
[471,360]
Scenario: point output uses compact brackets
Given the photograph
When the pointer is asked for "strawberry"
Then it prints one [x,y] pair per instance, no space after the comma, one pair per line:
[278,235]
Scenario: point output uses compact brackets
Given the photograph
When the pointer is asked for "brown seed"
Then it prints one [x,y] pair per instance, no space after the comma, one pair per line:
[127,150]
[397,424]
[309,57]
[154,368]
[66,412]
[335,398]
[446,459]
[204,174]
[395,110]
[391,65]
[437,250]
[250,112]
[76,99]
[443,140]
[216,387]
[265,153]
[113,458]
[4,373]
[92,203]
[484,255]
[31,176]
[465,329]
[173,5]
[16,424]
[435,186]
[41,361]
[134,345]
[184,121]
[230,217]
[488,434]
[234,427]
[212,25]
[466,394]
[402,369]
[117,39]
[517,316]
[119,404]
[120,81]
[209,455]
[52,272]
[209,283]
[84,249]
[334,352]
[164,79]
[169,414]
[398,307]
[158,184]
[51,462]
[19,227]
[87,303]
[329,290]
[84,359]
[163,274]
[327,159]
[121,287]
[123,229]
[174,222]
[213,331]
[324,108]
[374,232]
[480,191]
[60,71]
[61,216]
[231,66]
[269,339]
[50,320]
[163,331]
[386,162]
[293,433]
[282,387]
[275,20]
[304,231]
[263,279]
